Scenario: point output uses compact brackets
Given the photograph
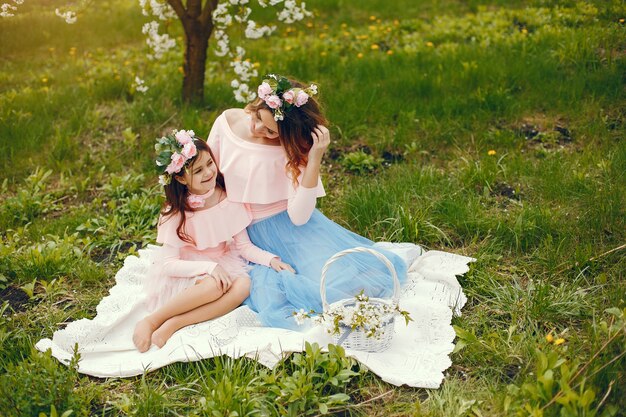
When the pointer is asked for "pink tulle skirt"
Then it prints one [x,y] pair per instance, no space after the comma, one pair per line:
[161,287]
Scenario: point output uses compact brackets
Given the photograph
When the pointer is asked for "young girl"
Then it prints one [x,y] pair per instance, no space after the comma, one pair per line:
[270,154]
[199,276]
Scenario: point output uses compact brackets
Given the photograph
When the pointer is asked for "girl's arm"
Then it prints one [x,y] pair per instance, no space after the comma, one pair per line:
[301,206]
[175,267]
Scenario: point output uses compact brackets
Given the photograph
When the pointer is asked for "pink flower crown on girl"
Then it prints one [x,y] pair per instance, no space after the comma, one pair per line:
[174,151]
[276,91]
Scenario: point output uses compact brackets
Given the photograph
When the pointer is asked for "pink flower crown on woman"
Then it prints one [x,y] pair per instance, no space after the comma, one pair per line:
[277,92]
[174,151]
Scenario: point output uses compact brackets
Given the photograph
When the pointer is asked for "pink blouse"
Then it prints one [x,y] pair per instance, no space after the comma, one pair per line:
[256,174]
[211,229]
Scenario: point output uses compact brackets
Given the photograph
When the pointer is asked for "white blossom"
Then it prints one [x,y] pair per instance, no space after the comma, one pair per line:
[255,32]
[243,15]
[6,10]
[292,12]
[159,44]
[140,85]
[160,9]
[69,16]
[300,316]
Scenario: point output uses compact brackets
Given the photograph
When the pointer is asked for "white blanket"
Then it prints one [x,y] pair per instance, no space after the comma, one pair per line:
[417,357]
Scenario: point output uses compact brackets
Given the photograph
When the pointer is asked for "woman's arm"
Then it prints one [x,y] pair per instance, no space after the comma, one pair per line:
[254,254]
[301,206]
[173,266]
[249,251]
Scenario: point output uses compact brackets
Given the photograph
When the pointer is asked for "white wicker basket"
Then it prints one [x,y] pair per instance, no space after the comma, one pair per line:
[357,339]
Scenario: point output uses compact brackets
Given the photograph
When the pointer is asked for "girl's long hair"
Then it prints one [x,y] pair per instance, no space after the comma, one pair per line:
[294,131]
[176,193]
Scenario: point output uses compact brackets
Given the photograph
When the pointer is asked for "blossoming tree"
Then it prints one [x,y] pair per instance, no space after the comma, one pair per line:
[200,20]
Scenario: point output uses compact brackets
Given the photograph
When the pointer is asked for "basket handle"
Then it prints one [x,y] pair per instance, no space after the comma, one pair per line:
[380,256]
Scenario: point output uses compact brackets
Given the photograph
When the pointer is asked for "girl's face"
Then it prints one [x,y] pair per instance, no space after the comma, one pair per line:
[200,177]
[263,125]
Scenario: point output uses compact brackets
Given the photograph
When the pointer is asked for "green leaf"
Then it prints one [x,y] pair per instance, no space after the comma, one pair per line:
[323,408]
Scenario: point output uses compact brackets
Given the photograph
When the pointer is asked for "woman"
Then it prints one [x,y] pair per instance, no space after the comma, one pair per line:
[270,155]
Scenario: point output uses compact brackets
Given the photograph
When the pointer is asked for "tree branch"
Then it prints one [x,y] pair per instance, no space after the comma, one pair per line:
[206,18]
[179,9]
[194,8]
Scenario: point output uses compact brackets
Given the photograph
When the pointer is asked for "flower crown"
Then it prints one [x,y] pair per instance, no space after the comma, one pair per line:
[174,151]
[276,91]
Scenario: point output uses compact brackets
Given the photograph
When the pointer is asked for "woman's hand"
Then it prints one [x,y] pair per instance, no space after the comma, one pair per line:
[222,278]
[321,140]
[278,265]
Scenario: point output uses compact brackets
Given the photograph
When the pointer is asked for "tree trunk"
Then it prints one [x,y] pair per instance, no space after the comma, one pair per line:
[195,63]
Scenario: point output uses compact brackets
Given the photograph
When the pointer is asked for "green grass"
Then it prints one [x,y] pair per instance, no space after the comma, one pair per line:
[487,128]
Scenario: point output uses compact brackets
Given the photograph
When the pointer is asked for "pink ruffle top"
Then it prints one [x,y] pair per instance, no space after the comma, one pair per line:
[209,228]
[255,173]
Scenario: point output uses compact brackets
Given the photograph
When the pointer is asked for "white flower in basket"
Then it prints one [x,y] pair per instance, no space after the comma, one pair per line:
[360,323]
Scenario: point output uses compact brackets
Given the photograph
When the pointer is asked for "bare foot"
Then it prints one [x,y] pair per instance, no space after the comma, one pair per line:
[163,333]
[142,337]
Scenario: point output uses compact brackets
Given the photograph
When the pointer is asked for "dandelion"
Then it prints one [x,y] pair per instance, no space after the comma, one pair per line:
[44,80]
[525,31]
[430,44]
[72,51]
[491,152]
[323,35]
[359,55]
[372,27]
[344,25]
[390,52]
[559,341]
[309,25]
[622,20]
[345,33]
[181,70]
[324,53]
[396,22]
[372,17]
[549,338]
[375,47]
[51,49]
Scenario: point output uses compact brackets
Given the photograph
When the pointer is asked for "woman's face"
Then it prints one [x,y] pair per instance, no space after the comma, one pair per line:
[263,125]
[201,175]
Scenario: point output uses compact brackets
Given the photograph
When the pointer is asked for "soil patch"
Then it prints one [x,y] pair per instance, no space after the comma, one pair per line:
[16,298]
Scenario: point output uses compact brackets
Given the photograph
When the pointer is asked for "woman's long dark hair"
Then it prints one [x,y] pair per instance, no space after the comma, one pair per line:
[176,193]
[294,131]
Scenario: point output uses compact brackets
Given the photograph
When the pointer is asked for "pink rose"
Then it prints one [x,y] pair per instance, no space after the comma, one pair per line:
[273,101]
[189,150]
[288,96]
[264,90]
[195,201]
[183,137]
[178,161]
[301,98]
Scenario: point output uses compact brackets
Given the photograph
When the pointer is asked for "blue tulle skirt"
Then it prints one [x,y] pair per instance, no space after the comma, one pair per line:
[275,296]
